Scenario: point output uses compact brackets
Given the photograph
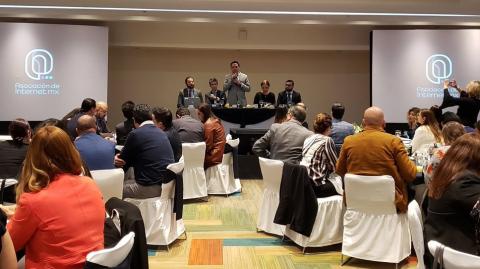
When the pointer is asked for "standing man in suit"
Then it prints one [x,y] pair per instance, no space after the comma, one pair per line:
[284,141]
[189,129]
[189,91]
[97,152]
[236,85]
[289,96]
[148,151]
[214,96]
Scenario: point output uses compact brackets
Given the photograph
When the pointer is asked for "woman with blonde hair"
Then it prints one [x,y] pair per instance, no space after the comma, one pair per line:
[468,103]
[60,215]
[428,133]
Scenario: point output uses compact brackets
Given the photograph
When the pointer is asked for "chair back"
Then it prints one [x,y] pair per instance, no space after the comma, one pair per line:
[110,182]
[234,142]
[453,259]
[177,167]
[112,257]
[194,154]
[272,173]
[416,231]
[168,190]
[370,194]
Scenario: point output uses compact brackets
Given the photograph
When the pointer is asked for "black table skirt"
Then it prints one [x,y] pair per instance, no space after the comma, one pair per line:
[244,116]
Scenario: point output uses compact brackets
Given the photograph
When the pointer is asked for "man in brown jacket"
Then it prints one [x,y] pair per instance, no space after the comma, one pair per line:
[373,152]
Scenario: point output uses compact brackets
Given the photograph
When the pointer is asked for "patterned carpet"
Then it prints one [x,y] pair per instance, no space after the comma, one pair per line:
[221,233]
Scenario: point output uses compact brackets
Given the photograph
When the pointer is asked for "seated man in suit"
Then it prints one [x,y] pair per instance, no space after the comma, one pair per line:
[101,117]
[374,152]
[189,129]
[190,92]
[285,141]
[97,152]
[289,96]
[214,96]
[124,128]
[88,107]
[148,151]
[162,117]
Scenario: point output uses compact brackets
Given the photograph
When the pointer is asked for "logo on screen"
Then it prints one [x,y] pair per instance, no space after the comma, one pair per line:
[39,64]
[438,67]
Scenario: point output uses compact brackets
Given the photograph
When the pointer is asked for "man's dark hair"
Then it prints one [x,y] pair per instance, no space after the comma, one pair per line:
[88,104]
[290,81]
[18,129]
[337,111]
[210,81]
[127,109]
[163,115]
[234,62]
[450,116]
[182,111]
[298,113]
[141,113]
[188,78]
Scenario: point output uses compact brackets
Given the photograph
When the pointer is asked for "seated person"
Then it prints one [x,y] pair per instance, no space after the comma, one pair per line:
[88,107]
[189,129]
[101,117]
[412,116]
[214,136]
[453,191]
[124,128]
[162,117]
[60,215]
[265,97]
[428,133]
[12,152]
[148,151]
[340,128]
[97,152]
[215,96]
[319,156]
[280,114]
[189,92]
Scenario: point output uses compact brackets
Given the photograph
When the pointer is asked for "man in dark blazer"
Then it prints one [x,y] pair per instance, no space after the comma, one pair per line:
[88,107]
[97,152]
[289,96]
[124,128]
[189,91]
[148,151]
[189,129]
[214,96]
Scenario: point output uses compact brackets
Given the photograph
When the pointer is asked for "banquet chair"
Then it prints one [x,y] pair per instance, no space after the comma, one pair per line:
[220,177]
[272,176]
[110,182]
[372,228]
[416,230]
[113,257]
[161,225]
[194,179]
[328,227]
[454,259]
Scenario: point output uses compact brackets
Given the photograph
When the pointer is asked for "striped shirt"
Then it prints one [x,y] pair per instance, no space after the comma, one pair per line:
[319,157]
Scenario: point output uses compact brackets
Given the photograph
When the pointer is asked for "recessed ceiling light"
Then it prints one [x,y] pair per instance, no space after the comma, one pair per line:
[254,21]
[309,22]
[199,20]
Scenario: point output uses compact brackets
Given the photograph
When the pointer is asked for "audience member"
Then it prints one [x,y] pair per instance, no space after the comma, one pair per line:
[280,114]
[51,122]
[148,151]
[189,92]
[284,141]
[468,103]
[450,132]
[124,128]
[12,152]
[412,121]
[437,114]
[340,128]
[289,96]
[428,133]
[265,97]
[214,136]
[236,85]
[97,152]
[453,192]
[189,129]
[215,96]
[60,215]
[304,123]
[88,107]
[8,260]
[162,117]
[319,156]
[374,152]
[101,115]
[450,116]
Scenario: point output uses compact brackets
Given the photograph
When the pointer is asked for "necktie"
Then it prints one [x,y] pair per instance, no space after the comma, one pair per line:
[289,97]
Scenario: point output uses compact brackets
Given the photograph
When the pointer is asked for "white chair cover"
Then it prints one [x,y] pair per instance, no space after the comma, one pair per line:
[233,142]
[272,177]
[220,177]
[453,259]
[161,226]
[328,227]
[112,257]
[110,182]
[416,231]
[194,179]
[372,228]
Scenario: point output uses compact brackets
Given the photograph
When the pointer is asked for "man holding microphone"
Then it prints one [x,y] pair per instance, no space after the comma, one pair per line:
[236,84]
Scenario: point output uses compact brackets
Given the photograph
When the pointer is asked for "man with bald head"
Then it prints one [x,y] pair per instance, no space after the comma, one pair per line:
[97,152]
[373,152]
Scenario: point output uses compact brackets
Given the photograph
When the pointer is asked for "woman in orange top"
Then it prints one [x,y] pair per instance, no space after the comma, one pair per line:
[214,136]
[60,215]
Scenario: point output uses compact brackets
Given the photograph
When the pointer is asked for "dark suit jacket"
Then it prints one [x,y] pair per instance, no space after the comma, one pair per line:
[220,94]
[175,142]
[282,97]
[12,155]
[123,129]
[148,150]
[72,125]
[184,93]
[97,152]
[189,129]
